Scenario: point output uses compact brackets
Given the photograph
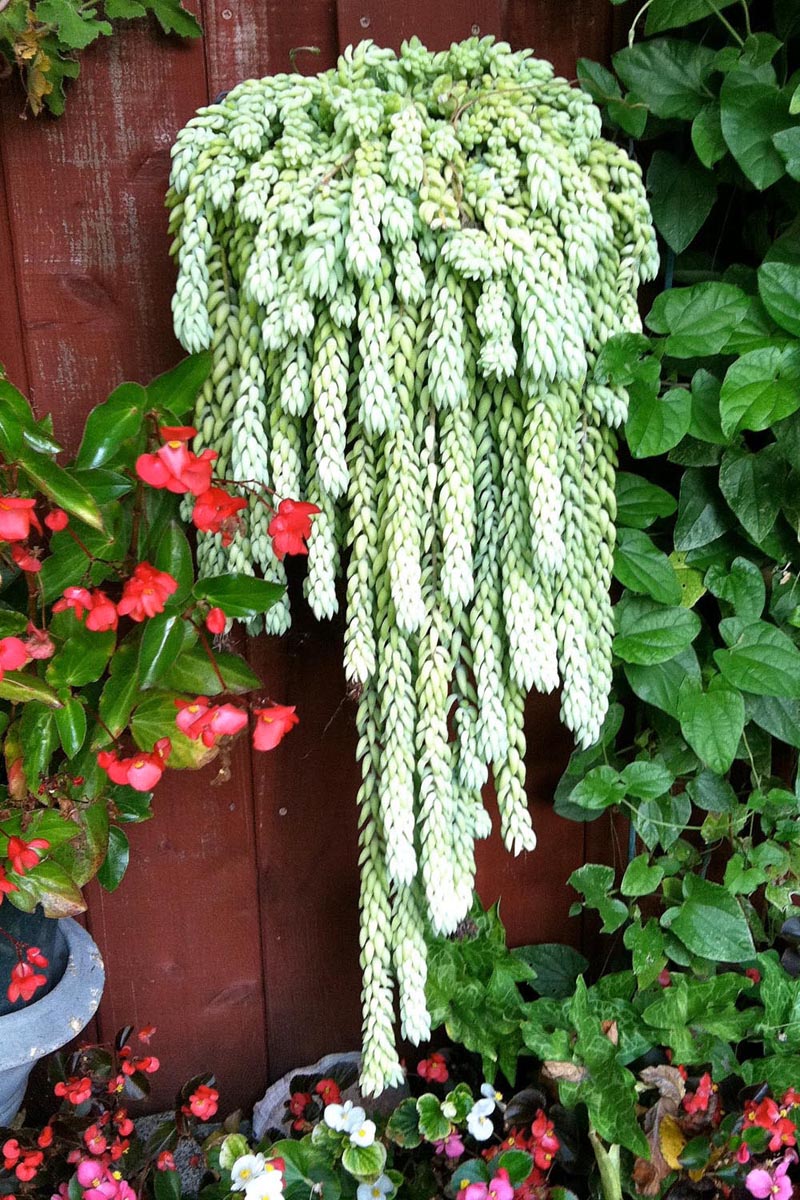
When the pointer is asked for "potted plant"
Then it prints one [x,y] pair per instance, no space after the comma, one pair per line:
[108,674]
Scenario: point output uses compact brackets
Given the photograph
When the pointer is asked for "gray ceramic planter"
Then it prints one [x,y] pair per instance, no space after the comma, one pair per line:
[49,1023]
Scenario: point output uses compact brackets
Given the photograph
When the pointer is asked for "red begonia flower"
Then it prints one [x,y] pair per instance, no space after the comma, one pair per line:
[203,1102]
[434,1068]
[199,719]
[103,614]
[76,1089]
[165,1161]
[16,518]
[272,725]
[25,560]
[6,885]
[79,599]
[45,1138]
[24,982]
[23,855]
[146,592]
[36,958]
[56,520]
[174,466]
[290,528]
[141,771]
[216,511]
[216,620]
[13,654]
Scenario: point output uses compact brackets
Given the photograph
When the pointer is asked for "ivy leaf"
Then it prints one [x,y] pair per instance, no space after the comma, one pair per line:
[787,143]
[742,586]
[642,568]
[77,25]
[641,879]
[762,660]
[779,280]
[595,882]
[646,944]
[707,140]
[674,14]
[702,513]
[659,683]
[648,632]
[752,484]
[711,923]
[640,502]
[712,722]
[556,967]
[752,109]
[669,72]
[656,423]
[662,820]
[760,388]
[700,319]
[682,195]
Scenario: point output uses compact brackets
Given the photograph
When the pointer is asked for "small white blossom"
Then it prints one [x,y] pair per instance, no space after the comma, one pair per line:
[268,1186]
[489,1093]
[248,1167]
[344,1118]
[363,1134]
[382,1186]
[479,1124]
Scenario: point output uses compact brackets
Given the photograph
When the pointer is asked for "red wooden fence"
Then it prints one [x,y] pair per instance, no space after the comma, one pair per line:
[236,929]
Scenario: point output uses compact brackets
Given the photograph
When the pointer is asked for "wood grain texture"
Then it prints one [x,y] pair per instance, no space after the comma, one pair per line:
[245,39]
[12,344]
[436,23]
[85,195]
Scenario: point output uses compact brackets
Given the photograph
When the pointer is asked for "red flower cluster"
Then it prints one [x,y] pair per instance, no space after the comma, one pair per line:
[24,978]
[203,1102]
[699,1100]
[23,855]
[100,611]
[272,725]
[216,511]
[174,466]
[130,1065]
[199,718]
[13,654]
[542,1143]
[24,1163]
[141,771]
[328,1091]
[146,592]
[774,1118]
[77,1089]
[290,528]
[298,1103]
[434,1068]
[16,518]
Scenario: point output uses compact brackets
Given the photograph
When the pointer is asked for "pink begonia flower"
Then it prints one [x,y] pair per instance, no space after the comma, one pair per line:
[499,1188]
[451,1146]
[95,1180]
[776,1185]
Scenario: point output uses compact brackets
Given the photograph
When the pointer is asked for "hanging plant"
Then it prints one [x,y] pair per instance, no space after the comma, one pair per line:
[407,269]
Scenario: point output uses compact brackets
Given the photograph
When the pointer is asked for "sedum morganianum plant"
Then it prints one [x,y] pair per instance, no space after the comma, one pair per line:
[406,268]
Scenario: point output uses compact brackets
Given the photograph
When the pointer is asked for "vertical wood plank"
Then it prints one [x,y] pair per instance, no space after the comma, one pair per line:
[561,32]
[85,195]
[436,23]
[12,349]
[245,40]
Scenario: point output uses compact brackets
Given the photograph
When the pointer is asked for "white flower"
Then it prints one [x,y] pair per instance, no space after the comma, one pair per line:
[489,1093]
[344,1118]
[479,1126]
[382,1186]
[363,1134]
[268,1186]
[248,1167]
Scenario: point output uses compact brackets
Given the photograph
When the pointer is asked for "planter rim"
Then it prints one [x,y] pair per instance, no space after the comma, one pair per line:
[49,1023]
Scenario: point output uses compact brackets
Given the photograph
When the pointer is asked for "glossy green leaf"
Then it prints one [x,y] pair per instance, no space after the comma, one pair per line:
[160,645]
[37,731]
[640,502]
[753,485]
[648,632]
[238,595]
[641,879]
[114,431]
[647,778]
[787,143]
[779,281]
[682,195]
[752,109]
[121,689]
[116,860]
[595,883]
[712,722]
[193,672]
[703,515]
[154,718]
[659,683]
[641,567]
[105,486]
[556,968]
[698,320]
[762,660]
[82,658]
[15,416]
[657,423]
[60,487]
[707,140]
[51,886]
[173,554]
[177,389]
[675,14]
[741,586]
[366,1163]
[711,923]
[71,725]
[669,73]
[21,687]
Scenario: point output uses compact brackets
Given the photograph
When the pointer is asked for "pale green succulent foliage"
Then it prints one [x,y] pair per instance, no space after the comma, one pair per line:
[405,268]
